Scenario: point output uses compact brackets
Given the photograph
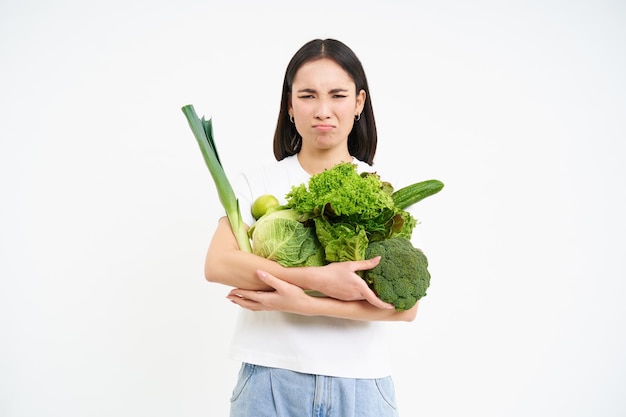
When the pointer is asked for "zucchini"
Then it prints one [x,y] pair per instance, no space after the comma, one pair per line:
[411,194]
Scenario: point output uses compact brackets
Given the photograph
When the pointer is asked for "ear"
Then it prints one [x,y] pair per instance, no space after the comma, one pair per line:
[360,102]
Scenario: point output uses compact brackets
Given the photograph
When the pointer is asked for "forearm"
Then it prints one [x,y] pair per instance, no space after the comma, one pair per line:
[289,298]
[226,264]
[356,310]
[238,269]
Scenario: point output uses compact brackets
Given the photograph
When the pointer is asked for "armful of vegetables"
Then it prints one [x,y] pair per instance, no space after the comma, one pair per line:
[341,215]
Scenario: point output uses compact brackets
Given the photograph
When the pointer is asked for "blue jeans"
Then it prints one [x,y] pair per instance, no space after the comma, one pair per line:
[273,392]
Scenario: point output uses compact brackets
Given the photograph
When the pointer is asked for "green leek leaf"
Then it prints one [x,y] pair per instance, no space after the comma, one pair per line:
[203,132]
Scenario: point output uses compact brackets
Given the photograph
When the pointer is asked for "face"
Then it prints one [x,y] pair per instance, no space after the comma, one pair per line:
[324,103]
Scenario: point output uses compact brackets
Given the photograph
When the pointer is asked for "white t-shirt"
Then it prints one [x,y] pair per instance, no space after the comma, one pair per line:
[313,345]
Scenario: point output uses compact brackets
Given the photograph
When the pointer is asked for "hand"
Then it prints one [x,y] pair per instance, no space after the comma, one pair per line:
[340,281]
[285,297]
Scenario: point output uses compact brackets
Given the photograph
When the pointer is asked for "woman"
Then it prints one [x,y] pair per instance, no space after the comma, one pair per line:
[303,355]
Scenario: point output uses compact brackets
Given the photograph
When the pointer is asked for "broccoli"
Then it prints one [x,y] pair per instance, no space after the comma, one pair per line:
[401,278]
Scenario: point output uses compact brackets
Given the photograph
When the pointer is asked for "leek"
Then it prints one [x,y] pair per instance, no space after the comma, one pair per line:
[203,131]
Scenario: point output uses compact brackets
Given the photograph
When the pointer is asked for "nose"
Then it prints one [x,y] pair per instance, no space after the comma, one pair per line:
[323,110]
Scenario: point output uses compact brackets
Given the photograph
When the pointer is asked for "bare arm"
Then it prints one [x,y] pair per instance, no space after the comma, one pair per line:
[228,265]
[292,299]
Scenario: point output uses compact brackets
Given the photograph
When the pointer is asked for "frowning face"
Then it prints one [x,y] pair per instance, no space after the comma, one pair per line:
[324,103]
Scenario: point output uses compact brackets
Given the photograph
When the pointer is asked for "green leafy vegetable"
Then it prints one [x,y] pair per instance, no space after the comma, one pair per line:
[349,211]
[203,132]
[278,235]
[359,216]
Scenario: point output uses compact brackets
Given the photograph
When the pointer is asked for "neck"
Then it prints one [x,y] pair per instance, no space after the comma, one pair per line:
[320,161]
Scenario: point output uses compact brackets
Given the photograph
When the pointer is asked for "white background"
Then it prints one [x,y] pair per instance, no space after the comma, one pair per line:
[519,107]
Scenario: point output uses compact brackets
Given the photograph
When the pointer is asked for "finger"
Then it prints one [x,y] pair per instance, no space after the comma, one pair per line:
[368,263]
[238,293]
[247,298]
[245,303]
[373,299]
[270,279]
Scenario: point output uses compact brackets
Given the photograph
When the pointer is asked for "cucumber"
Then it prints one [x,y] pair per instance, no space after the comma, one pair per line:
[411,194]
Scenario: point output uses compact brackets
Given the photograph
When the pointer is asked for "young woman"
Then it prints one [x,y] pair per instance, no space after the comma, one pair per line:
[303,355]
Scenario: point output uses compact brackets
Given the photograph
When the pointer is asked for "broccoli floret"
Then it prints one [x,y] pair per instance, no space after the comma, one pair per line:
[401,278]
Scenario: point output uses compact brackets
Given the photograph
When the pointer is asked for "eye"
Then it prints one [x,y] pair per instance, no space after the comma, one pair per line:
[306,96]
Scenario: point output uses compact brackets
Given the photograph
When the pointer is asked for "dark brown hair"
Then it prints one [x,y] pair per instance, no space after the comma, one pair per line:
[362,140]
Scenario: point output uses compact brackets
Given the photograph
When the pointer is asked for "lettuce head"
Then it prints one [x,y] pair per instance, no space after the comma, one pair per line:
[281,237]
[349,209]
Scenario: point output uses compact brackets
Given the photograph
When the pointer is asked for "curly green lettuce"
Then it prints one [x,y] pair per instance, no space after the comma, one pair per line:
[349,210]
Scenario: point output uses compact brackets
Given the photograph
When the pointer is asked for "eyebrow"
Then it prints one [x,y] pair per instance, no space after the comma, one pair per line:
[333,91]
